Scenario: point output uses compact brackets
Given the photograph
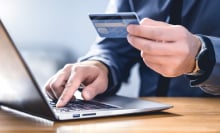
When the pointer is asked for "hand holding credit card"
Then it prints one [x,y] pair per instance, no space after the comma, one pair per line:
[113,25]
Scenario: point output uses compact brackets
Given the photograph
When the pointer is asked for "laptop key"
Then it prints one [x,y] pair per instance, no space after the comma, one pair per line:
[79,105]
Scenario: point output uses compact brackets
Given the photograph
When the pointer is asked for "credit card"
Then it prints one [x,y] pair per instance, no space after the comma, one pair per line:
[113,25]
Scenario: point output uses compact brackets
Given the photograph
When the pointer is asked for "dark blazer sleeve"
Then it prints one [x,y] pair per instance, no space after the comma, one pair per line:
[210,82]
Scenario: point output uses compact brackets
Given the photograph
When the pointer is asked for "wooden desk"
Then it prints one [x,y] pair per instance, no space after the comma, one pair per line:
[189,115]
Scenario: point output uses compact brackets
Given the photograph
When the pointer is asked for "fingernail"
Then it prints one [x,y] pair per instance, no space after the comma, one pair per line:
[128,28]
[129,38]
[87,95]
[59,103]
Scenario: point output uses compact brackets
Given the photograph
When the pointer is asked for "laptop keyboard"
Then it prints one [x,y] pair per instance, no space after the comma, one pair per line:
[80,105]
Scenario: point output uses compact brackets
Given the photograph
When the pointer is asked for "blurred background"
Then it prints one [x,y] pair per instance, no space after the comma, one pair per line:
[51,33]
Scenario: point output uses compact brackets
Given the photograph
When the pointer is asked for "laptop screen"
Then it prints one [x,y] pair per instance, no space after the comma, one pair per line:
[18,89]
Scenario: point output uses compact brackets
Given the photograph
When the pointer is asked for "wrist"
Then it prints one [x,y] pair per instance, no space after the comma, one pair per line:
[196,69]
[206,62]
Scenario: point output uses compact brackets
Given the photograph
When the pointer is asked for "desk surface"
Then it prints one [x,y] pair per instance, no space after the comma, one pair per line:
[189,115]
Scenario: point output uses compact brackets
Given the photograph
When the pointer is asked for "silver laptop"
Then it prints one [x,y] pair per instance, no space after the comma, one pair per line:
[19,91]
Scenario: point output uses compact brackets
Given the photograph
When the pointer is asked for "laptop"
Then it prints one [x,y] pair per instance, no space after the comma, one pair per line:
[19,91]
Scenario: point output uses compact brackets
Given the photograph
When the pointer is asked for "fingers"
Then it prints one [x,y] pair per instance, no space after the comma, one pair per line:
[96,87]
[158,33]
[149,46]
[159,65]
[93,75]
[167,49]
[168,66]
[56,84]
[151,22]
[154,30]
[163,70]
[71,86]
[49,92]
[62,86]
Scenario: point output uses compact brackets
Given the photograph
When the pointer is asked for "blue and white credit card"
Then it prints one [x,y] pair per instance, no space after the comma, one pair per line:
[113,25]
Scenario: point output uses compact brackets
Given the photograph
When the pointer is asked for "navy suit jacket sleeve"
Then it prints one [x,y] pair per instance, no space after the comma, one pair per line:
[212,83]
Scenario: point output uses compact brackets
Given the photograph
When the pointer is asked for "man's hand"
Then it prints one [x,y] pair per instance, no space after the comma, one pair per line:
[92,74]
[167,49]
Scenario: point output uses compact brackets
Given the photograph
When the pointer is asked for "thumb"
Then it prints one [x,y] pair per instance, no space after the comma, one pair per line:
[93,89]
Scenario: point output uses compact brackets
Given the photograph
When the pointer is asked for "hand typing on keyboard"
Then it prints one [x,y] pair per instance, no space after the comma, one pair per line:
[63,85]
